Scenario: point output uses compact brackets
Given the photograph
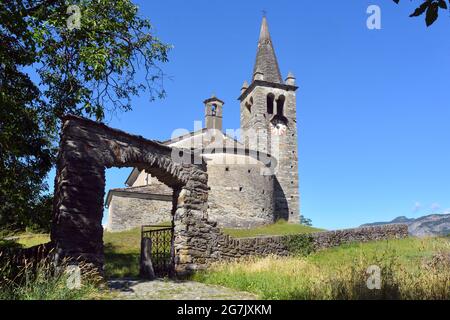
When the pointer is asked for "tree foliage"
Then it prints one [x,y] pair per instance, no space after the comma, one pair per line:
[48,69]
[305,221]
[430,8]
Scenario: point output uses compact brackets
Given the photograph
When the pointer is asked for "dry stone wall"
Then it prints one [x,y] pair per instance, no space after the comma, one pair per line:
[208,244]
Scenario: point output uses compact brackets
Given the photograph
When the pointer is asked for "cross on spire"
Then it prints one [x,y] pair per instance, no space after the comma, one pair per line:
[266,61]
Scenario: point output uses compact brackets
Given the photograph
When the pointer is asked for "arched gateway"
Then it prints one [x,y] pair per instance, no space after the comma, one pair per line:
[87,148]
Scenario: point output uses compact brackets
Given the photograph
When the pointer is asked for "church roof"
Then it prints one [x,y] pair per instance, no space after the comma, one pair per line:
[157,191]
[266,60]
[200,139]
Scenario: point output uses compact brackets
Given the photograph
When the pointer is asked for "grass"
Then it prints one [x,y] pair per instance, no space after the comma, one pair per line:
[23,240]
[410,269]
[30,240]
[122,250]
[281,227]
[409,251]
[41,280]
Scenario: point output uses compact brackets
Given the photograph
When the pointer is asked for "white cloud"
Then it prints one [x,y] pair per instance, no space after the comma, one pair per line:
[435,207]
[417,206]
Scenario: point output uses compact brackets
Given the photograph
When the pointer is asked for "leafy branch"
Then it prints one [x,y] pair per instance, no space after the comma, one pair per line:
[430,8]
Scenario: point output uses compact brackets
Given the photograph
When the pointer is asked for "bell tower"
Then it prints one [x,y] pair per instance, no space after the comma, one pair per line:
[269,123]
[213,113]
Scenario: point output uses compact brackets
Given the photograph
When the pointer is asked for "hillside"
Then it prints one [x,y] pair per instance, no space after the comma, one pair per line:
[430,225]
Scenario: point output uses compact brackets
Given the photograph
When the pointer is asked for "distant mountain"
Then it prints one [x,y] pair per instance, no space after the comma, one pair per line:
[431,225]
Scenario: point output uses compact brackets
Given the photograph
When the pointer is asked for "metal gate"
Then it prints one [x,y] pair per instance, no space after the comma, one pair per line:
[161,248]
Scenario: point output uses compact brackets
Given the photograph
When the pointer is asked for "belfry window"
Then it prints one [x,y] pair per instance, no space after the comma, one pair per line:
[213,109]
[280,106]
[249,105]
[270,100]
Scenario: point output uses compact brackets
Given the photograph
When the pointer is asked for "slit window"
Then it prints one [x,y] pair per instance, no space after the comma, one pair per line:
[280,106]
[270,100]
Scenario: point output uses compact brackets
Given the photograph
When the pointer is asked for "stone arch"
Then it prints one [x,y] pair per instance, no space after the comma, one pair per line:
[87,148]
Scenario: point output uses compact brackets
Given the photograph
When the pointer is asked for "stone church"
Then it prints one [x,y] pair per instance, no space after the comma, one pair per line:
[252,180]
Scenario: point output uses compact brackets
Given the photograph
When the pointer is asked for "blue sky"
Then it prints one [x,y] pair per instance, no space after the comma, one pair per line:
[373,105]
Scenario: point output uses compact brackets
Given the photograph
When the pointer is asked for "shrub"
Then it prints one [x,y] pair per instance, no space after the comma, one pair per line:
[299,244]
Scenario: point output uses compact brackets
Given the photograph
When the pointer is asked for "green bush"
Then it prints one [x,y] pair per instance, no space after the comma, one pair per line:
[299,244]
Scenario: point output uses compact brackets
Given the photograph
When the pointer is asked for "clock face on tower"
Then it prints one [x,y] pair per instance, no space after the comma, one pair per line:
[278,126]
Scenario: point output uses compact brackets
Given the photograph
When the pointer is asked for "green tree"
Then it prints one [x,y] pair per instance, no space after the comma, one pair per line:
[430,8]
[305,221]
[51,65]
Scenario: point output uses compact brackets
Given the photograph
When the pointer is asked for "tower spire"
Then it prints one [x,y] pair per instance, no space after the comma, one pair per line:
[266,60]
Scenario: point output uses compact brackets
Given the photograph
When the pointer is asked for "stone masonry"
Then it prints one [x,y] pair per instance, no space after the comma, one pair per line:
[239,195]
[87,148]
[132,212]
[136,206]
[208,244]
[269,111]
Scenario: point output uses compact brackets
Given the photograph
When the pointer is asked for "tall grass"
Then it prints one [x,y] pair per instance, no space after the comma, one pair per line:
[424,276]
[42,280]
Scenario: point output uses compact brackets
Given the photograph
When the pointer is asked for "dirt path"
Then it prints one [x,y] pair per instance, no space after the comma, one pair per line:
[173,290]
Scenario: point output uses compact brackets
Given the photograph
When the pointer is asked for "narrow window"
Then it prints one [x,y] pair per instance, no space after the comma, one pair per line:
[270,100]
[249,107]
[280,106]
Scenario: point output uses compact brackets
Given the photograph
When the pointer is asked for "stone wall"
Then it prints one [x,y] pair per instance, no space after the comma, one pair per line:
[209,244]
[87,148]
[239,195]
[327,239]
[282,147]
[127,212]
